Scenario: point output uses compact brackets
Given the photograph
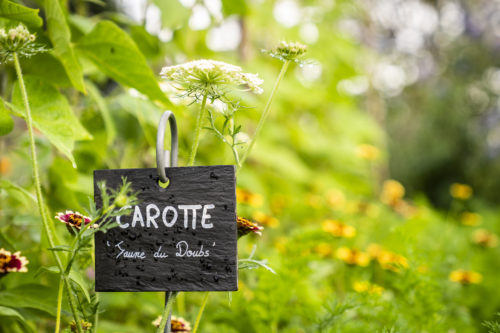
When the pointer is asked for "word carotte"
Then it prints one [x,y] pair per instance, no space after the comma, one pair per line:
[151,216]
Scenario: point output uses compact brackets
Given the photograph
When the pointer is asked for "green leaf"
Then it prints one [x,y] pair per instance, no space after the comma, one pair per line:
[15,12]
[9,186]
[238,7]
[51,114]
[65,248]
[60,37]
[173,13]
[33,296]
[9,312]
[75,277]
[116,54]
[6,121]
[95,94]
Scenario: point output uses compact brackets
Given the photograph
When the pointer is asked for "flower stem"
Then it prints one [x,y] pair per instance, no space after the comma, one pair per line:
[197,131]
[265,113]
[59,305]
[200,313]
[38,188]
[166,313]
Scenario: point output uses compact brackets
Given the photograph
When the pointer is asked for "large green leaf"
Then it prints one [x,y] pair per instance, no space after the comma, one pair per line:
[95,94]
[60,36]
[15,12]
[32,296]
[116,54]
[74,276]
[11,313]
[51,114]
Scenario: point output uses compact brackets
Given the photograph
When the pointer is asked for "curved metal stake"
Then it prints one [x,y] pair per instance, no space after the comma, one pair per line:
[164,159]
[162,156]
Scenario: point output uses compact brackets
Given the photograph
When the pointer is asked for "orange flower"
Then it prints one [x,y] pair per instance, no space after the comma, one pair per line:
[484,238]
[392,192]
[392,261]
[323,249]
[248,198]
[353,256]
[465,277]
[460,191]
[339,229]
[12,262]
[368,152]
[470,219]
[5,166]
[367,287]
[265,219]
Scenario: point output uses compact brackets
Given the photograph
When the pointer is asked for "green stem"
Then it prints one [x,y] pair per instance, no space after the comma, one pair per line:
[166,313]
[197,131]
[38,189]
[59,305]
[265,113]
[200,313]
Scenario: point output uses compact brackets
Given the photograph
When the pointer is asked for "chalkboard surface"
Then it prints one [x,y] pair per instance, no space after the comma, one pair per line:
[179,238]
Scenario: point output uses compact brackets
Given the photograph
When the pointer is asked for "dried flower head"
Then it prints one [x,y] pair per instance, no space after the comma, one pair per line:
[460,191]
[18,40]
[210,78]
[12,262]
[465,277]
[484,238]
[339,229]
[87,327]
[353,256]
[289,51]
[74,219]
[246,226]
[177,324]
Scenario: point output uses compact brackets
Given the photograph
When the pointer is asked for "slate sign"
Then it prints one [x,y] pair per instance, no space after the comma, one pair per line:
[179,238]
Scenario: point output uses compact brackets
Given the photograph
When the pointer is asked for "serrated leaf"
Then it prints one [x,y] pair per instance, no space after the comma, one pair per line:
[51,114]
[15,12]
[60,37]
[116,54]
[6,121]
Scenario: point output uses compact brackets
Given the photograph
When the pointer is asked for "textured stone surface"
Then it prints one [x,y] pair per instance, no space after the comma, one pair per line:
[203,186]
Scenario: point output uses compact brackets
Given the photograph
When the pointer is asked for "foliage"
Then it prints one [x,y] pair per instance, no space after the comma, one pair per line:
[343,249]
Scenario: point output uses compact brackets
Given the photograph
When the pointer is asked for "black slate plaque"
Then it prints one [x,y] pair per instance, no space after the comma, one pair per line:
[179,238]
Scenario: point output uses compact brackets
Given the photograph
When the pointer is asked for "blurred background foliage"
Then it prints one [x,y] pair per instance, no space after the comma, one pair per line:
[395,89]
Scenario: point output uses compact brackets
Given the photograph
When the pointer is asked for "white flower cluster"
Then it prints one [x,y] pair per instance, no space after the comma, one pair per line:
[210,78]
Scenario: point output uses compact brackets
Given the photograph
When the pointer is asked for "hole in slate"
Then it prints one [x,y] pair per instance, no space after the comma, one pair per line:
[162,184]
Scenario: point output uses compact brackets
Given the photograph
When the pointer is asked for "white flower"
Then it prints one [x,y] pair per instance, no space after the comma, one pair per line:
[210,78]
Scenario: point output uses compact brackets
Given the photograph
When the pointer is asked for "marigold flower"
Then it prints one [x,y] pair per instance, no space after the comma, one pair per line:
[210,78]
[249,198]
[353,256]
[460,191]
[484,238]
[339,229]
[392,192]
[470,219]
[367,287]
[246,226]
[391,261]
[335,199]
[12,262]
[177,324]
[368,152]
[323,249]
[264,219]
[465,277]
[5,166]
[74,219]
[374,250]
[87,327]
[17,40]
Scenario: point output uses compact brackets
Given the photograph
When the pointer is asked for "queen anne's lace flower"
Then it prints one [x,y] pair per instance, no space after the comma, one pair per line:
[17,40]
[210,78]
[12,262]
[289,51]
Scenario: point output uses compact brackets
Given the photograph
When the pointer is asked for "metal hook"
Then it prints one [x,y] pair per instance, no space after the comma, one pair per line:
[162,156]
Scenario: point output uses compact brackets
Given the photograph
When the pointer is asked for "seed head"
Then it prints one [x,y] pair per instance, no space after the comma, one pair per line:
[289,51]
